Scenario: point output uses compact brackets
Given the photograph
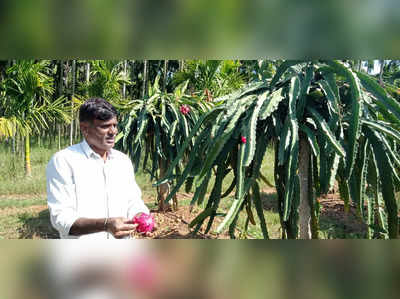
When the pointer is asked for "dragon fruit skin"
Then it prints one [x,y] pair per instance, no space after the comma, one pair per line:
[145,223]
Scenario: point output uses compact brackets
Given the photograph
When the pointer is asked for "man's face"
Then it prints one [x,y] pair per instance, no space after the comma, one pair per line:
[99,134]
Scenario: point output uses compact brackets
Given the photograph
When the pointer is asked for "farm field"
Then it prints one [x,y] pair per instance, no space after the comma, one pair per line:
[24,213]
[252,149]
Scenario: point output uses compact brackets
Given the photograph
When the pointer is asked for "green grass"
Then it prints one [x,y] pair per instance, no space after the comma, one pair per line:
[20,192]
[12,173]
[26,222]
[21,203]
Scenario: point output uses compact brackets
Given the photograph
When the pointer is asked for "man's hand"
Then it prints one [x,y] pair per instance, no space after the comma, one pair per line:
[146,234]
[120,227]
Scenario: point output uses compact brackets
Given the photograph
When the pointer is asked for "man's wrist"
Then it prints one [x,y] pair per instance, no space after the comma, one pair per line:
[83,226]
[105,224]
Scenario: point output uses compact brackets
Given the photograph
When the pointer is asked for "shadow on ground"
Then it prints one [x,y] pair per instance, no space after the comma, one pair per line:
[269,201]
[178,235]
[37,227]
[335,223]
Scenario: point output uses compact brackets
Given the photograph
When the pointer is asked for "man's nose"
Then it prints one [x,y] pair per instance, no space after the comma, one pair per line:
[113,131]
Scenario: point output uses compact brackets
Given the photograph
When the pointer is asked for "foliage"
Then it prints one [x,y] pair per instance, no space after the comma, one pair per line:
[219,77]
[348,120]
[108,77]
[257,70]
[27,101]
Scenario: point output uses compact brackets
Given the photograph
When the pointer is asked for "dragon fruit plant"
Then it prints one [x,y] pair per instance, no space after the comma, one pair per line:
[326,122]
[155,129]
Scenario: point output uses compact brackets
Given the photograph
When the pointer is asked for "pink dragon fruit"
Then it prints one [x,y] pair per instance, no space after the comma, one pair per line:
[145,222]
[243,139]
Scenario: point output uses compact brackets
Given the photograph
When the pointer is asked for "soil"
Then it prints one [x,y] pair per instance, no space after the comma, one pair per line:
[169,225]
[333,211]
[174,224]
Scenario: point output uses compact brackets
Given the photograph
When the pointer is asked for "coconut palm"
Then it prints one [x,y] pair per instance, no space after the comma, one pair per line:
[326,122]
[27,100]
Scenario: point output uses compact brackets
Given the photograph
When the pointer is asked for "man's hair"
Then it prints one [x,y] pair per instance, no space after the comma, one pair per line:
[96,108]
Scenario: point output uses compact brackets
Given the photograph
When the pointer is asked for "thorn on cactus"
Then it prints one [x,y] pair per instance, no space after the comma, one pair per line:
[243,139]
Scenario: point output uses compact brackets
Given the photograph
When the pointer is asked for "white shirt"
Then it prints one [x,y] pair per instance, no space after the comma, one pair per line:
[81,184]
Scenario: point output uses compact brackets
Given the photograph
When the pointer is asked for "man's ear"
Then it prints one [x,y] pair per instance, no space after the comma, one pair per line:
[84,125]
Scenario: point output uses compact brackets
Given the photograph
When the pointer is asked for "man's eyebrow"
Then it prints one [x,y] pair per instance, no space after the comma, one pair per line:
[107,125]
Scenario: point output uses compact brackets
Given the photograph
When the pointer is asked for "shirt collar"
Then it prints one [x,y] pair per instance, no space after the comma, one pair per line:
[89,152]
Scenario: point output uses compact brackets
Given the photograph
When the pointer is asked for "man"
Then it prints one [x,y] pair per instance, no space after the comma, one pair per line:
[91,189]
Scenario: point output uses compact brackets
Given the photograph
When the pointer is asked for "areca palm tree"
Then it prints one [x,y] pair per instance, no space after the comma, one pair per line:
[9,126]
[215,77]
[28,102]
[108,79]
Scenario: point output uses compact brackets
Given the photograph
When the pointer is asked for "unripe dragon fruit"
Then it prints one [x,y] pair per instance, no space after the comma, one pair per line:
[145,223]
[184,109]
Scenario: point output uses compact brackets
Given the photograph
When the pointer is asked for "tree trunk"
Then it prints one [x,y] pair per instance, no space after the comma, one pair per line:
[53,135]
[77,78]
[165,75]
[13,143]
[17,145]
[304,207]
[71,131]
[77,133]
[28,169]
[87,79]
[49,137]
[381,72]
[59,136]
[124,85]
[163,190]
[181,64]
[145,70]
[132,77]
[87,69]
[61,85]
